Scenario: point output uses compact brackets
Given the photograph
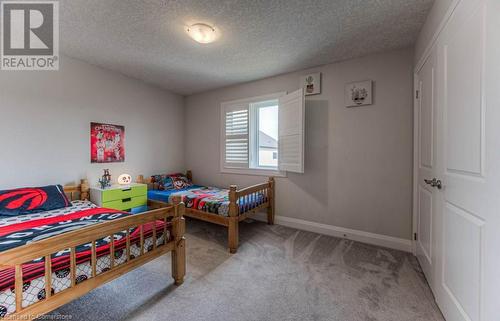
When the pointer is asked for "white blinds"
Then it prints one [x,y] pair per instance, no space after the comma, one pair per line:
[236,125]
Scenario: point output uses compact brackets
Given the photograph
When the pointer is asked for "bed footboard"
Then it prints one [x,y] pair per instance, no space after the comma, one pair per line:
[158,220]
[242,201]
[242,204]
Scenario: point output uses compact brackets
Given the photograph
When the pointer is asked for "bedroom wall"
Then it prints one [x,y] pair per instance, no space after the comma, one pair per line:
[45,121]
[358,166]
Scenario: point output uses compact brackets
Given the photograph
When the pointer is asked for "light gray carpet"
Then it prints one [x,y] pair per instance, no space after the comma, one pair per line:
[278,273]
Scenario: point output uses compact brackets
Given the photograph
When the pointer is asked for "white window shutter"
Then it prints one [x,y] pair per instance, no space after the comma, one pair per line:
[291,124]
[236,129]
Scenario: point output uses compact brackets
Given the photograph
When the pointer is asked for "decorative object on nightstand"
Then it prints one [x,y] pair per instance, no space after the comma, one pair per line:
[105,180]
[124,179]
[129,198]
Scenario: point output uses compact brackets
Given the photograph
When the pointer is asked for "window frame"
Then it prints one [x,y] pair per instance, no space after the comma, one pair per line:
[253,121]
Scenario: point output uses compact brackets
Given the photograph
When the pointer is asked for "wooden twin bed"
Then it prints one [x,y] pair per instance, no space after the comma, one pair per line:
[241,206]
[19,261]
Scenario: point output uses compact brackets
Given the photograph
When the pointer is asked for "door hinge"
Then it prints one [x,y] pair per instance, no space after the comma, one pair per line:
[415,236]
[417,94]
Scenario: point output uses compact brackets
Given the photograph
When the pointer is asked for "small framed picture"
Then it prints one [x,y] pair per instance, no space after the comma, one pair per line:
[358,93]
[312,84]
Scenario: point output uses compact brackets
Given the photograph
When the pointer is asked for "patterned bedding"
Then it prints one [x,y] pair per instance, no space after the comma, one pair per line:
[209,199]
[19,230]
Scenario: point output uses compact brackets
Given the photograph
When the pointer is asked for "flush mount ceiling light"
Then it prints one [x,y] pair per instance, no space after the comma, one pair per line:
[202,33]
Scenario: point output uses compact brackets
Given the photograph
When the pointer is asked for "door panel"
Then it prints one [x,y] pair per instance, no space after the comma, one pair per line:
[426,130]
[425,225]
[461,261]
[426,160]
[463,63]
[460,206]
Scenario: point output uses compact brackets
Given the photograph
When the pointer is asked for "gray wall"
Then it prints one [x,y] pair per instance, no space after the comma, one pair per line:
[358,160]
[45,121]
[358,170]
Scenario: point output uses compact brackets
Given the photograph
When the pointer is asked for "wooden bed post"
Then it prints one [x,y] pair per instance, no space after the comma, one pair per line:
[84,189]
[179,252]
[270,209]
[148,181]
[189,175]
[233,230]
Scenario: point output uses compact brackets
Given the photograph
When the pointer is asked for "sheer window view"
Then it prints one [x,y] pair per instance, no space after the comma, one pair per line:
[268,136]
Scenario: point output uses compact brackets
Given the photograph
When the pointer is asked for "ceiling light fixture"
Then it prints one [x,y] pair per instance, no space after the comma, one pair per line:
[202,33]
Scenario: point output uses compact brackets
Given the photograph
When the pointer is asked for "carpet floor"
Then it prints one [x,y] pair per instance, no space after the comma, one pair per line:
[278,274]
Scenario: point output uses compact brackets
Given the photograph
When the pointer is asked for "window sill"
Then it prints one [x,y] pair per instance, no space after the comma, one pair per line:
[254,172]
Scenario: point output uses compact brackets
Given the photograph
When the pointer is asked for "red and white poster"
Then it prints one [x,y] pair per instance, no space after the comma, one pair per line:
[107,143]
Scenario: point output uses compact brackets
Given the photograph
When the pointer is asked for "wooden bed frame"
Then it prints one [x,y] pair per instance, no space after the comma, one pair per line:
[14,258]
[235,216]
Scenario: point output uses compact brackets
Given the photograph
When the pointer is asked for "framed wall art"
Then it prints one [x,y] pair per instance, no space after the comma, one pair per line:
[107,143]
[358,93]
[312,84]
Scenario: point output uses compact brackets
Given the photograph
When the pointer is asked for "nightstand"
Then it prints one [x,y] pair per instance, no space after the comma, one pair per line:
[129,198]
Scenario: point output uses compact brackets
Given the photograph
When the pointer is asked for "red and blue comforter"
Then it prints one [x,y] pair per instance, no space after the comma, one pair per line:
[208,199]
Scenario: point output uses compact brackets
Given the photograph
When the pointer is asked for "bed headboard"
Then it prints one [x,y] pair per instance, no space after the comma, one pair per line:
[146,180]
[78,192]
[153,186]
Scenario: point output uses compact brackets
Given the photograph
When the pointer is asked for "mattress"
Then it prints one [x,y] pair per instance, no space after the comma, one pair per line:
[208,199]
[25,229]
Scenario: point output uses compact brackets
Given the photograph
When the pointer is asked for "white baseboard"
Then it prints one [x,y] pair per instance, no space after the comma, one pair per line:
[355,235]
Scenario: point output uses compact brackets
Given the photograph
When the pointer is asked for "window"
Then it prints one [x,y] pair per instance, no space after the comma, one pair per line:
[264,134]
[250,134]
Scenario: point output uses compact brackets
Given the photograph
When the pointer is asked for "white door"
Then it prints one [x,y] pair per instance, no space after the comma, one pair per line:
[425,142]
[467,266]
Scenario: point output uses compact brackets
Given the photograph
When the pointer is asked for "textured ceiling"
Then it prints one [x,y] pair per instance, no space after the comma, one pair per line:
[146,39]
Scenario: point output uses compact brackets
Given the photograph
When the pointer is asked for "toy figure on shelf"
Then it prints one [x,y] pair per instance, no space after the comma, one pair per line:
[105,181]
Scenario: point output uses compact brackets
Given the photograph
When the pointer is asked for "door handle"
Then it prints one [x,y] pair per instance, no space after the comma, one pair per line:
[434,182]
